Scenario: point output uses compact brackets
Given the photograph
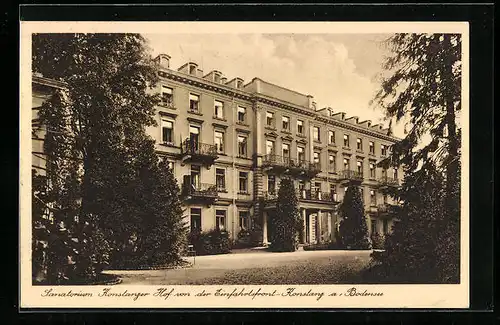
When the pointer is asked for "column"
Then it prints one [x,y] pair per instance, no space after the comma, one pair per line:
[320,228]
[304,230]
[264,228]
[330,233]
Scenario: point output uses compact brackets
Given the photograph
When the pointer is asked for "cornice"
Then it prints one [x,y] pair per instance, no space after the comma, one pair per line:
[204,84]
[356,128]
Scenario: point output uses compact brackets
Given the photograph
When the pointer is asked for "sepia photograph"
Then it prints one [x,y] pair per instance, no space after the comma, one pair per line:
[239,158]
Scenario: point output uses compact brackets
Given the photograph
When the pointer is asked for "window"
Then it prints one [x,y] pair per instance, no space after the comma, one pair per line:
[332,162]
[192,69]
[241,114]
[166,96]
[244,220]
[373,197]
[331,137]
[395,173]
[195,219]
[220,219]
[316,158]
[286,151]
[218,109]
[346,140]
[316,136]
[242,146]
[385,198]
[386,226]
[346,164]
[194,101]
[302,185]
[271,184]
[372,170]
[301,154]
[270,147]
[372,147]
[286,123]
[167,130]
[359,165]
[195,176]
[359,144]
[383,150]
[384,173]
[373,225]
[243,182]
[219,141]
[220,179]
[216,77]
[270,119]
[300,127]
[333,192]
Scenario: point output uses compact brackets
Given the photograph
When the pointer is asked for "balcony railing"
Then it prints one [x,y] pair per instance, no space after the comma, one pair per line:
[383,208]
[351,175]
[201,190]
[197,151]
[305,195]
[292,165]
[315,195]
[388,181]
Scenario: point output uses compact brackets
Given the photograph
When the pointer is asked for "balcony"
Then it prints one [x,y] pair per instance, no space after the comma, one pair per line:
[313,196]
[386,182]
[285,165]
[317,196]
[384,209]
[199,193]
[192,151]
[350,177]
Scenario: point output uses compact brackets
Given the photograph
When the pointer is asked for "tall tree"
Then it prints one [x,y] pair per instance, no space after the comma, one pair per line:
[353,229]
[411,255]
[97,147]
[423,88]
[286,223]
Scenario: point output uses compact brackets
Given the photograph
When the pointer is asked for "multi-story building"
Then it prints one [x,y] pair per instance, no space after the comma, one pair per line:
[229,143]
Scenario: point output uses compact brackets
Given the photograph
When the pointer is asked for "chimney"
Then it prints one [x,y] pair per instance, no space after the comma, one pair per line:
[163,60]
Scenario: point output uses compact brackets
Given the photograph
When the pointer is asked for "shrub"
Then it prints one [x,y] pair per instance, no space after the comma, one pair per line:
[211,242]
[378,241]
[322,246]
[353,228]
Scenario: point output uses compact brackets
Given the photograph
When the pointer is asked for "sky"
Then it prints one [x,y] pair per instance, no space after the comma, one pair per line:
[339,70]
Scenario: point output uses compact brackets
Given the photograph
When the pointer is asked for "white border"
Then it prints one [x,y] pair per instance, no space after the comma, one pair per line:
[395,296]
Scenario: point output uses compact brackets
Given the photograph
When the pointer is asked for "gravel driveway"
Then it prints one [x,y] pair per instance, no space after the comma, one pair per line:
[259,267]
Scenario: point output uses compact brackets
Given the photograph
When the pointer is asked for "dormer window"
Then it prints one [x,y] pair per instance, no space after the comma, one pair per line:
[216,77]
[238,83]
[192,69]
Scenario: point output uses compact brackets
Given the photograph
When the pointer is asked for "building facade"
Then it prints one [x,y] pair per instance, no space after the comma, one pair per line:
[229,143]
